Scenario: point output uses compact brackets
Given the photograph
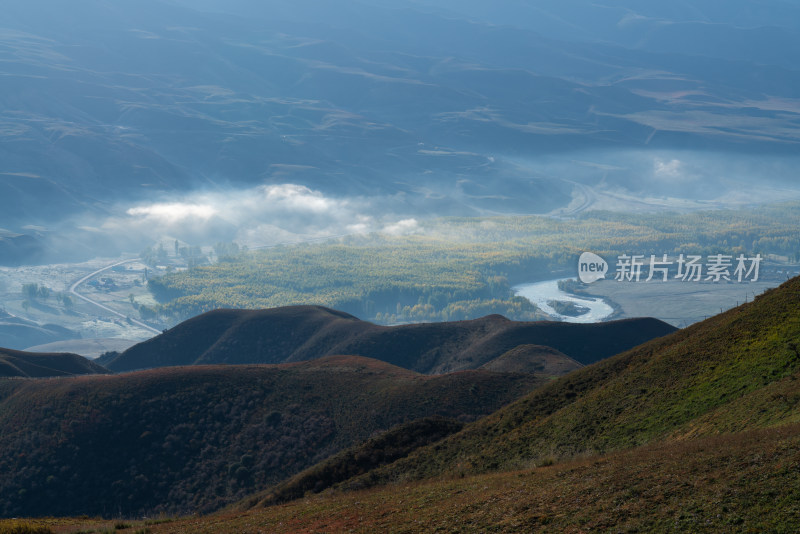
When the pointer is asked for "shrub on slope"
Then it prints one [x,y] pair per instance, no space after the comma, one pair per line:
[733,372]
[189,439]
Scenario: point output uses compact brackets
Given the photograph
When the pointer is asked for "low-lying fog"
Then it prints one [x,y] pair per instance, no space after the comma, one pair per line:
[291,212]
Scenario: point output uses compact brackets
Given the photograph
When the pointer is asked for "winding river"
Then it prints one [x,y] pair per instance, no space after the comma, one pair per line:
[541,292]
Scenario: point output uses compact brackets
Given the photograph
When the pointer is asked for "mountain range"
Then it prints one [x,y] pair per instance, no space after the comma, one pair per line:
[244,399]
[413,107]
[252,124]
[718,398]
[296,333]
[708,391]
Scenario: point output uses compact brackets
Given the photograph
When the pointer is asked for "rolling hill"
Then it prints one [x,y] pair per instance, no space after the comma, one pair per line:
[14,363]
[90,348]
[191,439]
[18,333]
[298,333]
[695,431]
[734,372]
[15,246]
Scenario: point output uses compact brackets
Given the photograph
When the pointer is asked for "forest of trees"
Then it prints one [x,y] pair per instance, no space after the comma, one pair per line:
[459,268]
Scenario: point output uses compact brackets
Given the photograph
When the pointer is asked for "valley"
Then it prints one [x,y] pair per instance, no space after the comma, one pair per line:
[445,269]
[341,122]
[117,290]
[368,266]
[462,268]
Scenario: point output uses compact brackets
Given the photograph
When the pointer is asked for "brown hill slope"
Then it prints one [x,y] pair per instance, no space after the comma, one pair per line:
[299,333]
[382,449]
[533,359]
[190,439]
[743,482]
[15,363]
[733,372]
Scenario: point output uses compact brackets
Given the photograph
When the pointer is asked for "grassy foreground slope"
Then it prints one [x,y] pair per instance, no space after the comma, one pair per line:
[385,448]
[296,333]
[733,372]
[699,430]
[746,482]
[191,439]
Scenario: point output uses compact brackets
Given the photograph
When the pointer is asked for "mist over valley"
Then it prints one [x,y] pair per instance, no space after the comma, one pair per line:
[418,265]
[125,122]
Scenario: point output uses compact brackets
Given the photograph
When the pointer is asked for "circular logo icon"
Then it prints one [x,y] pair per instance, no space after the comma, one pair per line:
[591,268]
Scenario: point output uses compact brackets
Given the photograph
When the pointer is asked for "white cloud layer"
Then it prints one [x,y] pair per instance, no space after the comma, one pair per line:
[173,212]
[262,215]
[668,170]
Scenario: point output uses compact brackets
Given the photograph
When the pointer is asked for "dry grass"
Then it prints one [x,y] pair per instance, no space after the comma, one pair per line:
[747,482]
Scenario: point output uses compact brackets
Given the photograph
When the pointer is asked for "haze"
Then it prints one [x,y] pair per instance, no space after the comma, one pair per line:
[399,265]
[146,115]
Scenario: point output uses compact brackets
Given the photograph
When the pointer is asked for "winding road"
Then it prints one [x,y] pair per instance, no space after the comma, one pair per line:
[74,290]
[589,198]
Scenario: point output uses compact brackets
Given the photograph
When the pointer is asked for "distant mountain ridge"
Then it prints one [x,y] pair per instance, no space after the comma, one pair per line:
[19,334]
[124,104]
[15,246]
[296,333]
